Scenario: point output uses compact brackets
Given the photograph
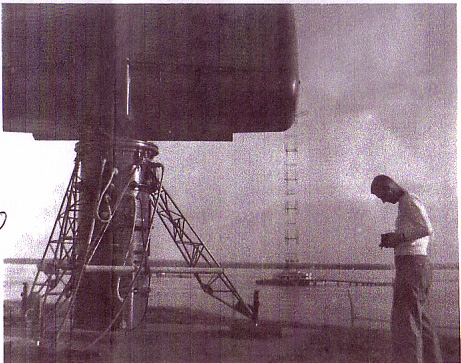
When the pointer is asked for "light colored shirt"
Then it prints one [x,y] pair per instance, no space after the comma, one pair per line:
[413,222]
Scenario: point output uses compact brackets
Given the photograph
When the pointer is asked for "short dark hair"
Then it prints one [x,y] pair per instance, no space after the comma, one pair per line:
[381,181]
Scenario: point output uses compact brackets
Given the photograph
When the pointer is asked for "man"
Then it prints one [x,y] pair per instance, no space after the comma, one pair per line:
[413,337]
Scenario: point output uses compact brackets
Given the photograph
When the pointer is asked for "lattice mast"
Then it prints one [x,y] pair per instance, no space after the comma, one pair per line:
[291,195]
[68,268]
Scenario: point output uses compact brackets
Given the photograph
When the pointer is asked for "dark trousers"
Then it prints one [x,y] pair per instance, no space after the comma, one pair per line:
[414,338]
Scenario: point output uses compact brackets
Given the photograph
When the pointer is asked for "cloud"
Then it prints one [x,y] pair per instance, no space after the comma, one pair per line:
[363,54]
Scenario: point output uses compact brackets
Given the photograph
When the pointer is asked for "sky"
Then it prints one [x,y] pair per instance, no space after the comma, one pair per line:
[378,95]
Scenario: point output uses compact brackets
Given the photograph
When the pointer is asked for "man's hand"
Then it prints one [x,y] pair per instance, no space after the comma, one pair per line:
[391,240]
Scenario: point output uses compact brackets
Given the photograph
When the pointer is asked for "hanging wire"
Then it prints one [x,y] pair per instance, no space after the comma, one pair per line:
[154,212]
[104,195]
[95,245]
[3,215]
[146,247]
[92,247]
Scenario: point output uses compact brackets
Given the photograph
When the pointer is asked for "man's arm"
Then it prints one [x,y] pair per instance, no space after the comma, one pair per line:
[391,240]
[417,224]
[414,224]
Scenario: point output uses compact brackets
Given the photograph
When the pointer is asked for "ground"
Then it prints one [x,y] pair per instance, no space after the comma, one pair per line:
[174,335]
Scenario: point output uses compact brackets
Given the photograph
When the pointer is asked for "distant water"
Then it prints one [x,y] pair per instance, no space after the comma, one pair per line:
[307,305]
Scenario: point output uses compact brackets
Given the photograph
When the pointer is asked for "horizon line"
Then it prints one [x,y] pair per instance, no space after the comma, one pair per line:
[264,265]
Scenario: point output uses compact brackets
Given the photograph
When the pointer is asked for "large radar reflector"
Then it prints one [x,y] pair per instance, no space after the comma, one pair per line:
[149,71]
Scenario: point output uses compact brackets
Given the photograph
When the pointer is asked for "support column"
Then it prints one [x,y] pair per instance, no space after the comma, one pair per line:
[94,297]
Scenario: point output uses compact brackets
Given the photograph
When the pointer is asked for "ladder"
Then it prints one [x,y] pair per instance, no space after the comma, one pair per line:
[291,196]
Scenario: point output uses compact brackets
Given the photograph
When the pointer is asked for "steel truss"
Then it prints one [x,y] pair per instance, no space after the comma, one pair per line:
[52,285]
[52,296]
[196,254]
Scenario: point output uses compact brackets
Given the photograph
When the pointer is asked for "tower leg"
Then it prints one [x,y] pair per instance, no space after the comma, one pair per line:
[196,254]
[93,292]
[99,275]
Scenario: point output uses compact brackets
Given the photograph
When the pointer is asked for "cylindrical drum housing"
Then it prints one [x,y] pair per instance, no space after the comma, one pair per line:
[169,71]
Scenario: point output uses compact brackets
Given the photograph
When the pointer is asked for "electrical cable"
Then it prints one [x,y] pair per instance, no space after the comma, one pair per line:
[133,281]
[4,219]
[103,194]
[95,245]
[148,241]
[89,255]
[127,254]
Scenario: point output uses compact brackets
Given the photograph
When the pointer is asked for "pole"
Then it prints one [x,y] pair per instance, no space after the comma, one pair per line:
[94,297]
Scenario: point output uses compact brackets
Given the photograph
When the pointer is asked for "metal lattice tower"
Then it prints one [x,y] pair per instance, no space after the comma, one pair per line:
[291,195]
[52,305]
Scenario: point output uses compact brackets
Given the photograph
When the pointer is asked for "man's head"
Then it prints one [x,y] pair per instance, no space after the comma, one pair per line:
[386,189]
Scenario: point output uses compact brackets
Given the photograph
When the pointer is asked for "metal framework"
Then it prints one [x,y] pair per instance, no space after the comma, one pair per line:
[196,254]
[291,195]
[64,262]
[52,285]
